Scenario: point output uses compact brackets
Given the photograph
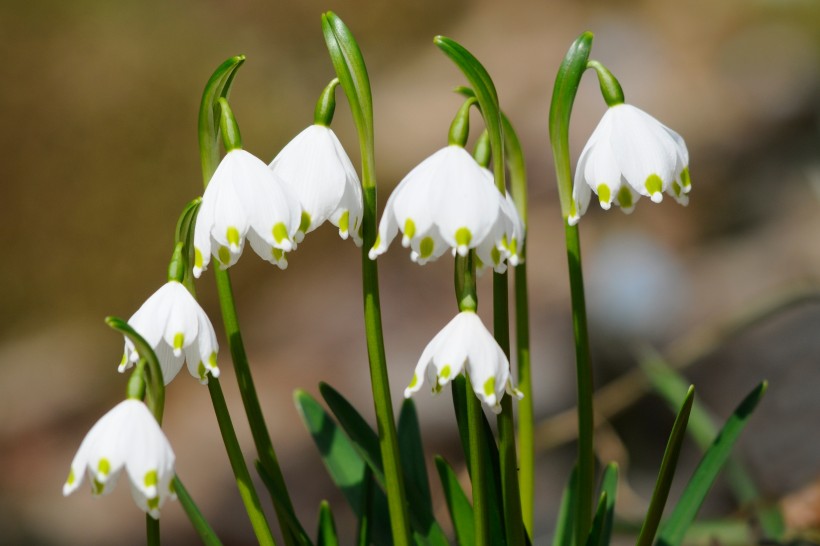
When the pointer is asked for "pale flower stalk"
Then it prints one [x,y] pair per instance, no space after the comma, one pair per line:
[175,326]
[465,345]
[244,199]
[316,169]
[630,154]
[127,437]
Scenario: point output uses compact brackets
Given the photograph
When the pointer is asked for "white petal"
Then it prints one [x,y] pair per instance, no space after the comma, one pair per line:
[388,228]
[182,326]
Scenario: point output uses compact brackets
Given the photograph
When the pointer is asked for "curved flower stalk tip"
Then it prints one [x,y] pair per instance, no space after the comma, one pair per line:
[316,169]
[126,437]
[175,326]
[447,201]
[244,199]
[465,345]
[630,154]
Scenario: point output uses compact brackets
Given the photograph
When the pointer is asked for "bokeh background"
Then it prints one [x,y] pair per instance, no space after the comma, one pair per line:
[98,103]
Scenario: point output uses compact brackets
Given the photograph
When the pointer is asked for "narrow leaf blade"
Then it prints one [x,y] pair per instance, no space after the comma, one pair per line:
[327,527]
[458,505]
[565,524]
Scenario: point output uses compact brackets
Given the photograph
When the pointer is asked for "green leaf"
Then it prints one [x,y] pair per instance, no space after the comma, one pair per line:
[609,485]
[458,505]
[218,86]
[326,535]
[707,470]
[200,524]
[344,464]
[666,473]
[702,428]
[366,442]
[412,451]
[565,524]
[597,528]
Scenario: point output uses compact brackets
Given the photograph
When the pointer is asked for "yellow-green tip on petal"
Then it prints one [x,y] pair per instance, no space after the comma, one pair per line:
[279,232]
[445,372]
[426,247]
[489,386]
[304,225]
[232,235]
[344,222]
[654,186]
[604,196]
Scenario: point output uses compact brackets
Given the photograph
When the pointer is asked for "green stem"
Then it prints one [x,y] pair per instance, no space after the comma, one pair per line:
[352,73]
[477,470]
[206,533]
[250,400]
[240,469]
[151,531]
[566,86]
[467,297]
[526,410]
[586,454]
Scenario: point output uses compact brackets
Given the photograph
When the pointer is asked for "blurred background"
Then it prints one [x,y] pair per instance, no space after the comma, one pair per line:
[99,153]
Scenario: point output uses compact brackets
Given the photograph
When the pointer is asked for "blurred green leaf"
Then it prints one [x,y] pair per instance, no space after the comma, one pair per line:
[366,442]
[565,523]
[326,535]
[344,464]
[609,485]
[666,473]
[458,505]
[671,386]
[595,532]
[412,451]
[704,476]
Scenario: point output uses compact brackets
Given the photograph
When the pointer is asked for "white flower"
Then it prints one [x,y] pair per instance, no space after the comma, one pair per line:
[316,169]
[173,323]
[630,154]
[446,201]
[244,198]
[466,345]
[127,436]
[505,237]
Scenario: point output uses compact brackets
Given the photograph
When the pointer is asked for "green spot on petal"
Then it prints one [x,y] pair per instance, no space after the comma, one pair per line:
[277,253]
[212,360]
[625,198]
[684,177]
[414,381]
[489,386]
[233,236]
[224,255]
[280,232]
[305,223]
[478,263]
[200,370]
[198,258]
[71,477]
[153,504]
[179,339]
[104,467]
[676,188]
[378,241]
[426,247]
[604,195]
[573,208]
[463,236]
[513,248]
[495,255]
[151,478]
[409,228]
[653,184]
[96,487]
[124,360]
[445,372]
[344,221]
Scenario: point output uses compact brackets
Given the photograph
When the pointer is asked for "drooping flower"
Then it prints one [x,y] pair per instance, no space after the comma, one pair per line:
[178,330]
[502,244]
[630,154]
[465,345]
[127,437]
[315,167]
[446,201]
[244,199]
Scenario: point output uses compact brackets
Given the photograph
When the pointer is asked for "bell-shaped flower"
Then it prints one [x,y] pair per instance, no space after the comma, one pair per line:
[446,201]
[175,326]
[630,154]
[127,437]
[502,244]
[465,345]
[244,199]
[315,167]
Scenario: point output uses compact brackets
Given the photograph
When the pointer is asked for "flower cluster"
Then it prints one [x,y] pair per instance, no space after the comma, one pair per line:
[127,437]
[630,154]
